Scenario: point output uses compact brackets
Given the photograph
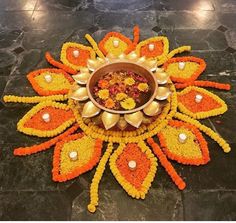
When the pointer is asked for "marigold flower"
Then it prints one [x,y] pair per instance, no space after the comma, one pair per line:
[128,104]
[121,96]
[129,81]
[109,103]
[103,94]
[143,86]
[103,84]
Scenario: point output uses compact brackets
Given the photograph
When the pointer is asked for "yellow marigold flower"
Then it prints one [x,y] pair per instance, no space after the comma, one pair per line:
[121,96]
[103,94]
[143,86]
[128,104]
[129,81]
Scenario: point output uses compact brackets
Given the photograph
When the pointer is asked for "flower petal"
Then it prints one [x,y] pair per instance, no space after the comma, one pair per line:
[59,117]
[193,150]
[86,151]
[153,48]
[50,81]
[75,55]
[184,69]
[134,167]
[115,43]
[210,104]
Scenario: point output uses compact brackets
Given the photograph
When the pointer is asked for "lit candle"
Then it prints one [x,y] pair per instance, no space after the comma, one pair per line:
[198,98]
[151,47]
[181,65]
[73,155]
[48,78]
[182,137]
[46,117]
[115,43]
[76,53]
[132,164]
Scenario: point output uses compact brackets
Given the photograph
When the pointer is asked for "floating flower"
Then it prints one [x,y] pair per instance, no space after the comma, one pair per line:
[103,84]
[121,96]
[103,94]
[128,104]
[143,86]
[129,81]
[109,103]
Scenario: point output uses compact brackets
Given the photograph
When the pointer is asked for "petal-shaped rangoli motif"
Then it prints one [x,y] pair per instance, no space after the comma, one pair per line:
[191,150]
[137,180]
[209,104]
[47,119]
[75,55]
[50,81]
[184,69]
[153,48]
[116,44]
[74,156]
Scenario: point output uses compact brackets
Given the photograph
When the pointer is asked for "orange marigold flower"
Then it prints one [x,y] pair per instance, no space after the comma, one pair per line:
[103,84]
[109,103]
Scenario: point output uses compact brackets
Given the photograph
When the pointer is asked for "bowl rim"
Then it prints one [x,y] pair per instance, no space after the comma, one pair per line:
[122,111]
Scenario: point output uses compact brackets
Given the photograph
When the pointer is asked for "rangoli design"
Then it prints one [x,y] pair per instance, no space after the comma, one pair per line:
[116,102]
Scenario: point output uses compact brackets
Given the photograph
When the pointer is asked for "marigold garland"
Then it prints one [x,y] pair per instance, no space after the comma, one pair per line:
[195,142]
[204,84]
[211,105]
[42,133]
[165,57]
[166,164]
[34,99]
[23,151]
[97,178]
[94,45]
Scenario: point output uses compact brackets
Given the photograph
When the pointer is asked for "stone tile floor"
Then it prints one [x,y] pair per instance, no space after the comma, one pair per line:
[29,28]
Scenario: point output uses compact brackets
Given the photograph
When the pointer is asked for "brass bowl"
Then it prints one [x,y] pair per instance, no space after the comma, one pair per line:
[116,66]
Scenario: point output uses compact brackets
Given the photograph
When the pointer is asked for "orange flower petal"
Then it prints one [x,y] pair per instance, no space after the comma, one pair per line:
[160,47]
[210,105]
[193,151]
[76,61]
[135,181]
[60,118]
[88,152]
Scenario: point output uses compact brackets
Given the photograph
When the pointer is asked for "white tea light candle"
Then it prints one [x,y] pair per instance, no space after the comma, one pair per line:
[115,43]
[46,117]
[181,65]
[132,164]
[182,138]
[73,155]
[151,47]
[48,78]
[198,98]
[76,53]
